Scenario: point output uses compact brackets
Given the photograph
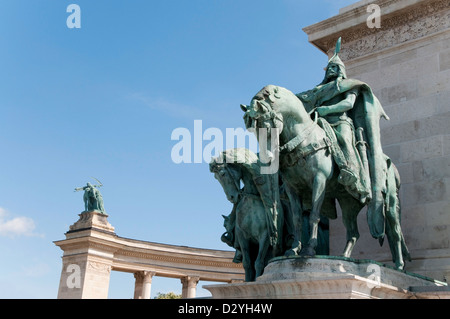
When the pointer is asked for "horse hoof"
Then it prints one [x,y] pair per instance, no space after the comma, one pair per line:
[290,252]
[308,252]
[401,267]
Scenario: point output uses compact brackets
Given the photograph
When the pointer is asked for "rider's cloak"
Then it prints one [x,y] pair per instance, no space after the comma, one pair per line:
[366,113]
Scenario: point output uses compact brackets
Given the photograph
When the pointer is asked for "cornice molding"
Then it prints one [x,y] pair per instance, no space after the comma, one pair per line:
[359,14]
[421,19]
[177,259]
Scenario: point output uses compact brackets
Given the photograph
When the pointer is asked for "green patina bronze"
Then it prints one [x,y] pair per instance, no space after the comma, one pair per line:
[331,151]
[267,219]
[93,200]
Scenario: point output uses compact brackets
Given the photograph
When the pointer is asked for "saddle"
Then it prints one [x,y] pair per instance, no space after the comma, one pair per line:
[293,151]
[336,151]
[357,188]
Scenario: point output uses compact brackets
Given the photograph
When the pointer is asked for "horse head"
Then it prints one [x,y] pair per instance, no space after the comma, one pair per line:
[229,178]
[233,166]
[262,113]
[270,106]
[269,111]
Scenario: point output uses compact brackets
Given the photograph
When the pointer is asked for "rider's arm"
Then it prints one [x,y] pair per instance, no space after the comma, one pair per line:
[343,106]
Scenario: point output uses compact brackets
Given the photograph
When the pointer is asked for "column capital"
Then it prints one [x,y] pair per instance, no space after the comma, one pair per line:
[148,276]
[189,286]
[139,275]
[190,280]
[143,284]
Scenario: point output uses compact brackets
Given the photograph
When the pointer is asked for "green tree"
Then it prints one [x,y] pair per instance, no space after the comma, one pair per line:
[169,295]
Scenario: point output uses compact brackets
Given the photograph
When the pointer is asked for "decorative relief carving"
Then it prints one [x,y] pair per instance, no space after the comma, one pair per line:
[148,276]
[139,276]
[99,267]
[406,25]
[190,281]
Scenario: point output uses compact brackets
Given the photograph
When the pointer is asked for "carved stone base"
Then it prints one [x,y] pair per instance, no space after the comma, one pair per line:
[93,219]
[86,264]
[329,277]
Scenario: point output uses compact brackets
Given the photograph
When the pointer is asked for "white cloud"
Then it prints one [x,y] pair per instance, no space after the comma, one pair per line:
[17,226]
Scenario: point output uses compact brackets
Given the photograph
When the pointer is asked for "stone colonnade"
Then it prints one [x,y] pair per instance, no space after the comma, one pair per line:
[143,285]
[92,250]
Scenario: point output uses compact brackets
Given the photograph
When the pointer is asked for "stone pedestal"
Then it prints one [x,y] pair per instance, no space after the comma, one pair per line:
[89,220]
[86,265]
[331,278]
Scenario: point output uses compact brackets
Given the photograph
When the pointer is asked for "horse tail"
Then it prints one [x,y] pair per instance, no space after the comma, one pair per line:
[391,236]
[397,177]
[405,251]
[397,232]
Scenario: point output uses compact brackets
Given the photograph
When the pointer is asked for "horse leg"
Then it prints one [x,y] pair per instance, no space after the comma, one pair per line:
[393,228]
[246,257]
[350,210]
[318,196]
[394,231]
[395,241]
[293,221]
[260,262]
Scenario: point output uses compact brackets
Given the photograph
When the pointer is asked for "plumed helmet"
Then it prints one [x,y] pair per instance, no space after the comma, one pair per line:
[336,60]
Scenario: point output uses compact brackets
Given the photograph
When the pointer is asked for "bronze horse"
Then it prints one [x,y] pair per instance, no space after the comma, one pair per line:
[314,174]
[248,225]
[252,223]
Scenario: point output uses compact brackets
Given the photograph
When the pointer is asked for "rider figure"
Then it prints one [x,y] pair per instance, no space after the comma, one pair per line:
[93,199]
[335,112]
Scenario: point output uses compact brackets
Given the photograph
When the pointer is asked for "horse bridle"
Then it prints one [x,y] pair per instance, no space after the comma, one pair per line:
[236,181]
[294,143]
[241,191]
[269,115]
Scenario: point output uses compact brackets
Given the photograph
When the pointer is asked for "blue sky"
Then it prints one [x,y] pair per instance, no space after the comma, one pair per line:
[103,101]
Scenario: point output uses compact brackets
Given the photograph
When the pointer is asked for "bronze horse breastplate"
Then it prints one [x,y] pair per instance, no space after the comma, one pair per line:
[302,146]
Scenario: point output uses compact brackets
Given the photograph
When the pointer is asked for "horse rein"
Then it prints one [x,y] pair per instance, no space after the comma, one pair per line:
[294,143]
[240,190]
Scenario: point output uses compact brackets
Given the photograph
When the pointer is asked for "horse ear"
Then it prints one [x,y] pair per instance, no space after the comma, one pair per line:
[276,90]
[244,107]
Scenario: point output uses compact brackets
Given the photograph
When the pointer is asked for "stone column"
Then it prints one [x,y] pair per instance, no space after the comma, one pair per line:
[138,284]
[147,284]
[189,286]
[143,284]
